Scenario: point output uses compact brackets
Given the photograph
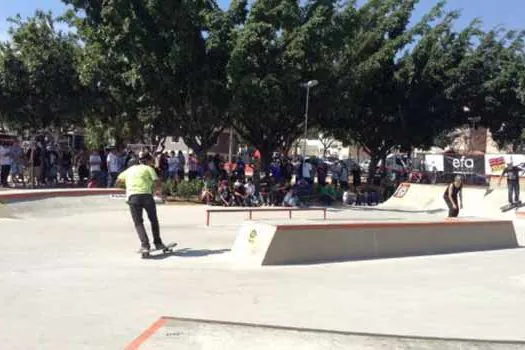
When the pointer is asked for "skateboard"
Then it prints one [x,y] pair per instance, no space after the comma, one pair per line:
[508,207]
[167,249]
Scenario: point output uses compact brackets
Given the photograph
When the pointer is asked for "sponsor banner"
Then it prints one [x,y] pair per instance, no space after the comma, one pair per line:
[457,164]
[495,163]
[402,190]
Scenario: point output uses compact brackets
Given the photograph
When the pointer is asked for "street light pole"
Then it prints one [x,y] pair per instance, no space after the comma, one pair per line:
[308,85]
[473,121]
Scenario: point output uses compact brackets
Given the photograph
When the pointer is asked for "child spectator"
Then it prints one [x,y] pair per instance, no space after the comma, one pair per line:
[225,194]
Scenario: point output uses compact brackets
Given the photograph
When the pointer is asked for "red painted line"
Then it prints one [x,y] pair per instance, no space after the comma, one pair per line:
[57,193]
[358,225]
[141,339]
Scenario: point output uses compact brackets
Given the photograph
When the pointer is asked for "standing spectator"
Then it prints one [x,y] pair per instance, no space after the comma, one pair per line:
[95,166]
[343,176]
[35,163]
[5,163]
[287,170]
[82,165]
[182,165]
[66,165]
[193,166]
[240,168]
[307,171]
[336,173]
[173,166]
[356,175]
[322,172]
[51,164]
[103,176]
[113,164]
[17,163]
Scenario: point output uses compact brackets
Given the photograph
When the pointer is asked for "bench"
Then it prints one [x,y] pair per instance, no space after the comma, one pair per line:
[251,210]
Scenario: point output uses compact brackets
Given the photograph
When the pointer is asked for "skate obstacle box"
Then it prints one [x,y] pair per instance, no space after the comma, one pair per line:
[267,243]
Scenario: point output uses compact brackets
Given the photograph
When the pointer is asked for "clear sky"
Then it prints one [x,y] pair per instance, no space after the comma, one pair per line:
[509,13]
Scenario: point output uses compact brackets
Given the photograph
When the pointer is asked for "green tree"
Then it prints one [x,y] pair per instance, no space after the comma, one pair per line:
[174,55]
[277,48]
[393,86]
[40,82]
[490,84]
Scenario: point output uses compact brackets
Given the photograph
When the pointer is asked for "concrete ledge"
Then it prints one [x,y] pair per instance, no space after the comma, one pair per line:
[4,211]
[260,243]
[188,334]
[28,195]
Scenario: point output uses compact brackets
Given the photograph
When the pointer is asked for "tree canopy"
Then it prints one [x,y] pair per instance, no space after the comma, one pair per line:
[129,69]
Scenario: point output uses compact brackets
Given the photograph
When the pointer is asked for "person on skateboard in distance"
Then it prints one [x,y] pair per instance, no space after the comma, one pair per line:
[141,181]
[451,196]
[513,182]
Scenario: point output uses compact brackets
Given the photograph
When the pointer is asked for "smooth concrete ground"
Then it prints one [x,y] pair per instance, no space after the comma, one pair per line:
[70,278]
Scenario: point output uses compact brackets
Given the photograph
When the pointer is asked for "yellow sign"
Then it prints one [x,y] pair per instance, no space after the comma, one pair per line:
[253,235]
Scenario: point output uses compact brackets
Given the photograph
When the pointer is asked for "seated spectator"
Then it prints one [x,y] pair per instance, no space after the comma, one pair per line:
[251,196]
[304,188]
[278,192]
[239,193]
[290,198]
[93,182]
[225,194]
[208,191]
[328,194]
[265,194]
[349,198]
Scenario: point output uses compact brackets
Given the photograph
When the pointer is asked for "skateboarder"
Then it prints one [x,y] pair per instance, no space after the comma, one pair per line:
[141,181]
[513,181]
[451,196]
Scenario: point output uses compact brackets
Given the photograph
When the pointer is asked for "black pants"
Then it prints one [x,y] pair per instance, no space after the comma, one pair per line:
[514,188]
[4,174]
[137,203]
[452,212]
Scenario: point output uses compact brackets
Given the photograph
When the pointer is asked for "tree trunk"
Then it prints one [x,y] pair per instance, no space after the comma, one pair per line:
[372,168]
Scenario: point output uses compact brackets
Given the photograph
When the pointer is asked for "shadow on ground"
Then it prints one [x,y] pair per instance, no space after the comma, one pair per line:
[188,253]
[431,211]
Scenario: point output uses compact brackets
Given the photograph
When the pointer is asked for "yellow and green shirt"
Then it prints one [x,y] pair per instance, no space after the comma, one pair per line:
[139,179]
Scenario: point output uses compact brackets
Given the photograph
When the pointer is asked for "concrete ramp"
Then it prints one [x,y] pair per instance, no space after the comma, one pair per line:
[191,334]
[266,243]
[478,201]
[416,198]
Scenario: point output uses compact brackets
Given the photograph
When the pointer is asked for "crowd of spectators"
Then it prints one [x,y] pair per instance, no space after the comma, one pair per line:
[286,181]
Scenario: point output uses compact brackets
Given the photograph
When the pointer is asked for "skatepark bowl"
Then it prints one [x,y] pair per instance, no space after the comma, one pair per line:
[395,276]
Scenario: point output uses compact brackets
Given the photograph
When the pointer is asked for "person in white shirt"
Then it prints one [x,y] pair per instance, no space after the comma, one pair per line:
[113,162]
[5,163]
[307,171]
[173,166]
[94,166]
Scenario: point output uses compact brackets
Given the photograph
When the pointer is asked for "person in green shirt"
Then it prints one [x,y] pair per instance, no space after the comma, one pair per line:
[141,182]
[328,194]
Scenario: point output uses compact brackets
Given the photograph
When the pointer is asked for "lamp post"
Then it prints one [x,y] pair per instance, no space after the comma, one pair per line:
[308,85]
[473,121]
